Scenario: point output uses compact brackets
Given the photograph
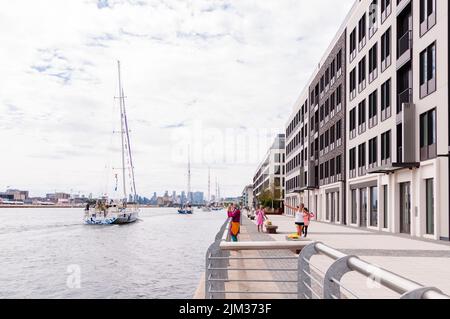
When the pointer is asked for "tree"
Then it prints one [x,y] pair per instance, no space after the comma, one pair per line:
[266,198]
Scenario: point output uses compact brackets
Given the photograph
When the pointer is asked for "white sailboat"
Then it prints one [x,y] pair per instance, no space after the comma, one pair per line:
[118,211]
[186,208]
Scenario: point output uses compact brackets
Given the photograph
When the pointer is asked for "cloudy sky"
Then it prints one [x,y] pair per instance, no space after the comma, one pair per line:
[219,75]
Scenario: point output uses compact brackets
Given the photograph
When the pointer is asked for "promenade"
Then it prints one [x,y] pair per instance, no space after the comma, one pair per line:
[426,262]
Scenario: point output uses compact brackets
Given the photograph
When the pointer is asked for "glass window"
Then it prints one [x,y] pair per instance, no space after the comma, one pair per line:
[374,206]
[430,205]
[354,213]
[385,206]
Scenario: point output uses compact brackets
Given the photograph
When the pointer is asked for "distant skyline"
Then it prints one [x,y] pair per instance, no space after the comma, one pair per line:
[219,75]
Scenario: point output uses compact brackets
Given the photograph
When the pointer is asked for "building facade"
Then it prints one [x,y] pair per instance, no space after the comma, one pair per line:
[315,147]
[247,197]
[394,149]
[270,175]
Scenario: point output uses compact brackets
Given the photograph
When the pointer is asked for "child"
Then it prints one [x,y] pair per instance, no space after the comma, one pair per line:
[306,219]
[260,217]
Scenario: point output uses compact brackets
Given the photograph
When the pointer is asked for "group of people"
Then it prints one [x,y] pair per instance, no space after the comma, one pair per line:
[302,219]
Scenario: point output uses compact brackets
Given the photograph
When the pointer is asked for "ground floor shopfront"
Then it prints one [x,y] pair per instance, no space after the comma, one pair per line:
[408,201]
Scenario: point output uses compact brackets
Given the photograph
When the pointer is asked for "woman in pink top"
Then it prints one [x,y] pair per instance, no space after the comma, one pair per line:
[306,218]
[260,217]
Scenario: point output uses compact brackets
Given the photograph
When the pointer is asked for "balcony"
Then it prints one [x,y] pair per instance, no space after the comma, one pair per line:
[404,97]
[362,43]
[352,55]
[428,23]
[406,146]
[404,49]
[386,113]
[373,75]
[362,85]
[386,12]
[386,63]
[373,121]
[361,128]
[353,94]
[353,134]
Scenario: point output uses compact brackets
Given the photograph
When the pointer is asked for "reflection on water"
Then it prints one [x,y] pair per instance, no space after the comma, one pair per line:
[45,251]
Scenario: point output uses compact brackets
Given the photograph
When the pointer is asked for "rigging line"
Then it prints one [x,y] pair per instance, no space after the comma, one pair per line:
[129,148]
[122,106]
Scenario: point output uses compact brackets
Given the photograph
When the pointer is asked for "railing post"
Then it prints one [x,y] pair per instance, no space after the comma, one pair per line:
[304,271]
[208,273]
[331,289]
[419,293]
[215,251]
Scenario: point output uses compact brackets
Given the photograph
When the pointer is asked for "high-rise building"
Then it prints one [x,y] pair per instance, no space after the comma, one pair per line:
[388,169]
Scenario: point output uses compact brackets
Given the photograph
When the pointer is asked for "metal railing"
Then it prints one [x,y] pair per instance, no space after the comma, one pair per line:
[310,280]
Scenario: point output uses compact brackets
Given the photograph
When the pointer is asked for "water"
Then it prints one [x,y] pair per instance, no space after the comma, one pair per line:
[43,250]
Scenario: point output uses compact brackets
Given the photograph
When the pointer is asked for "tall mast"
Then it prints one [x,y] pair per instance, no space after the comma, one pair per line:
[189,175]
[209,185]
[121,99]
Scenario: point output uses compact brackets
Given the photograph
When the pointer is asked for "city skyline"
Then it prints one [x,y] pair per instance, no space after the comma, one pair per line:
[187,71]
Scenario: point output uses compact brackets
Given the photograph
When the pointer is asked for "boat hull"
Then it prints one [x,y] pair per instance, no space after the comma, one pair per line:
[185,212]
[118,218]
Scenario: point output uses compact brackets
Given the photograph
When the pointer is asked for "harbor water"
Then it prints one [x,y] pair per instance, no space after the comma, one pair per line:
[50,253]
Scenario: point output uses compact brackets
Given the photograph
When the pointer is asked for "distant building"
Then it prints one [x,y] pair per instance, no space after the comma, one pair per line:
[270,175]
[18,195]
[58,197]
[247,196]
[5,196]
[198,198]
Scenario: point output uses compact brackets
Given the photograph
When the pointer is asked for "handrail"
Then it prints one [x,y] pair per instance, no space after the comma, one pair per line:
[386,278]
[226,232]
[269,245]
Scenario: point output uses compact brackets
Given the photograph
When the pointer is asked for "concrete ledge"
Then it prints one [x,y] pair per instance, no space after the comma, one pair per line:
[263,245]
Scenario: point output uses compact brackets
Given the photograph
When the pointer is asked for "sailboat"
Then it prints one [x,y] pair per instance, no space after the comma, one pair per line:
[124,210]
[186,208]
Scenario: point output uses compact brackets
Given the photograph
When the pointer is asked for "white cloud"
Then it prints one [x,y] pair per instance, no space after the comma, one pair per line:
[224,64]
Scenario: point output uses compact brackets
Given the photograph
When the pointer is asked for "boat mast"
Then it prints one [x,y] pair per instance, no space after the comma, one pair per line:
[209,185]
[189,195]
[122,133]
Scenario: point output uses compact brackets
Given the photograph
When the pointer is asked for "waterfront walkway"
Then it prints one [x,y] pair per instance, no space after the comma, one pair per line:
[426,262]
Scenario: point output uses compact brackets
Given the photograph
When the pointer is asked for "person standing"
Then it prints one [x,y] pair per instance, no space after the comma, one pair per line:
[299,220]
[235,215]
[307,215]
[260,218]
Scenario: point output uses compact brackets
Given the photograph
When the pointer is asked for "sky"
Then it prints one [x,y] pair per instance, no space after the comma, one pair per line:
[216,77]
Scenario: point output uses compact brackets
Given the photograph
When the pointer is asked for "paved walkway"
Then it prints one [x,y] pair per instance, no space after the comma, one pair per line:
[425,262]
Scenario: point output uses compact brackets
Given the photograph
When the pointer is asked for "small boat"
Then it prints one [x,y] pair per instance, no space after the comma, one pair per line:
[215,209]
[185,211]
[107,211]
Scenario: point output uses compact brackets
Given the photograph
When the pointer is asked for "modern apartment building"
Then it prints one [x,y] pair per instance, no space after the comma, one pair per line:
[270,175]
[395,113]
[315,148]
